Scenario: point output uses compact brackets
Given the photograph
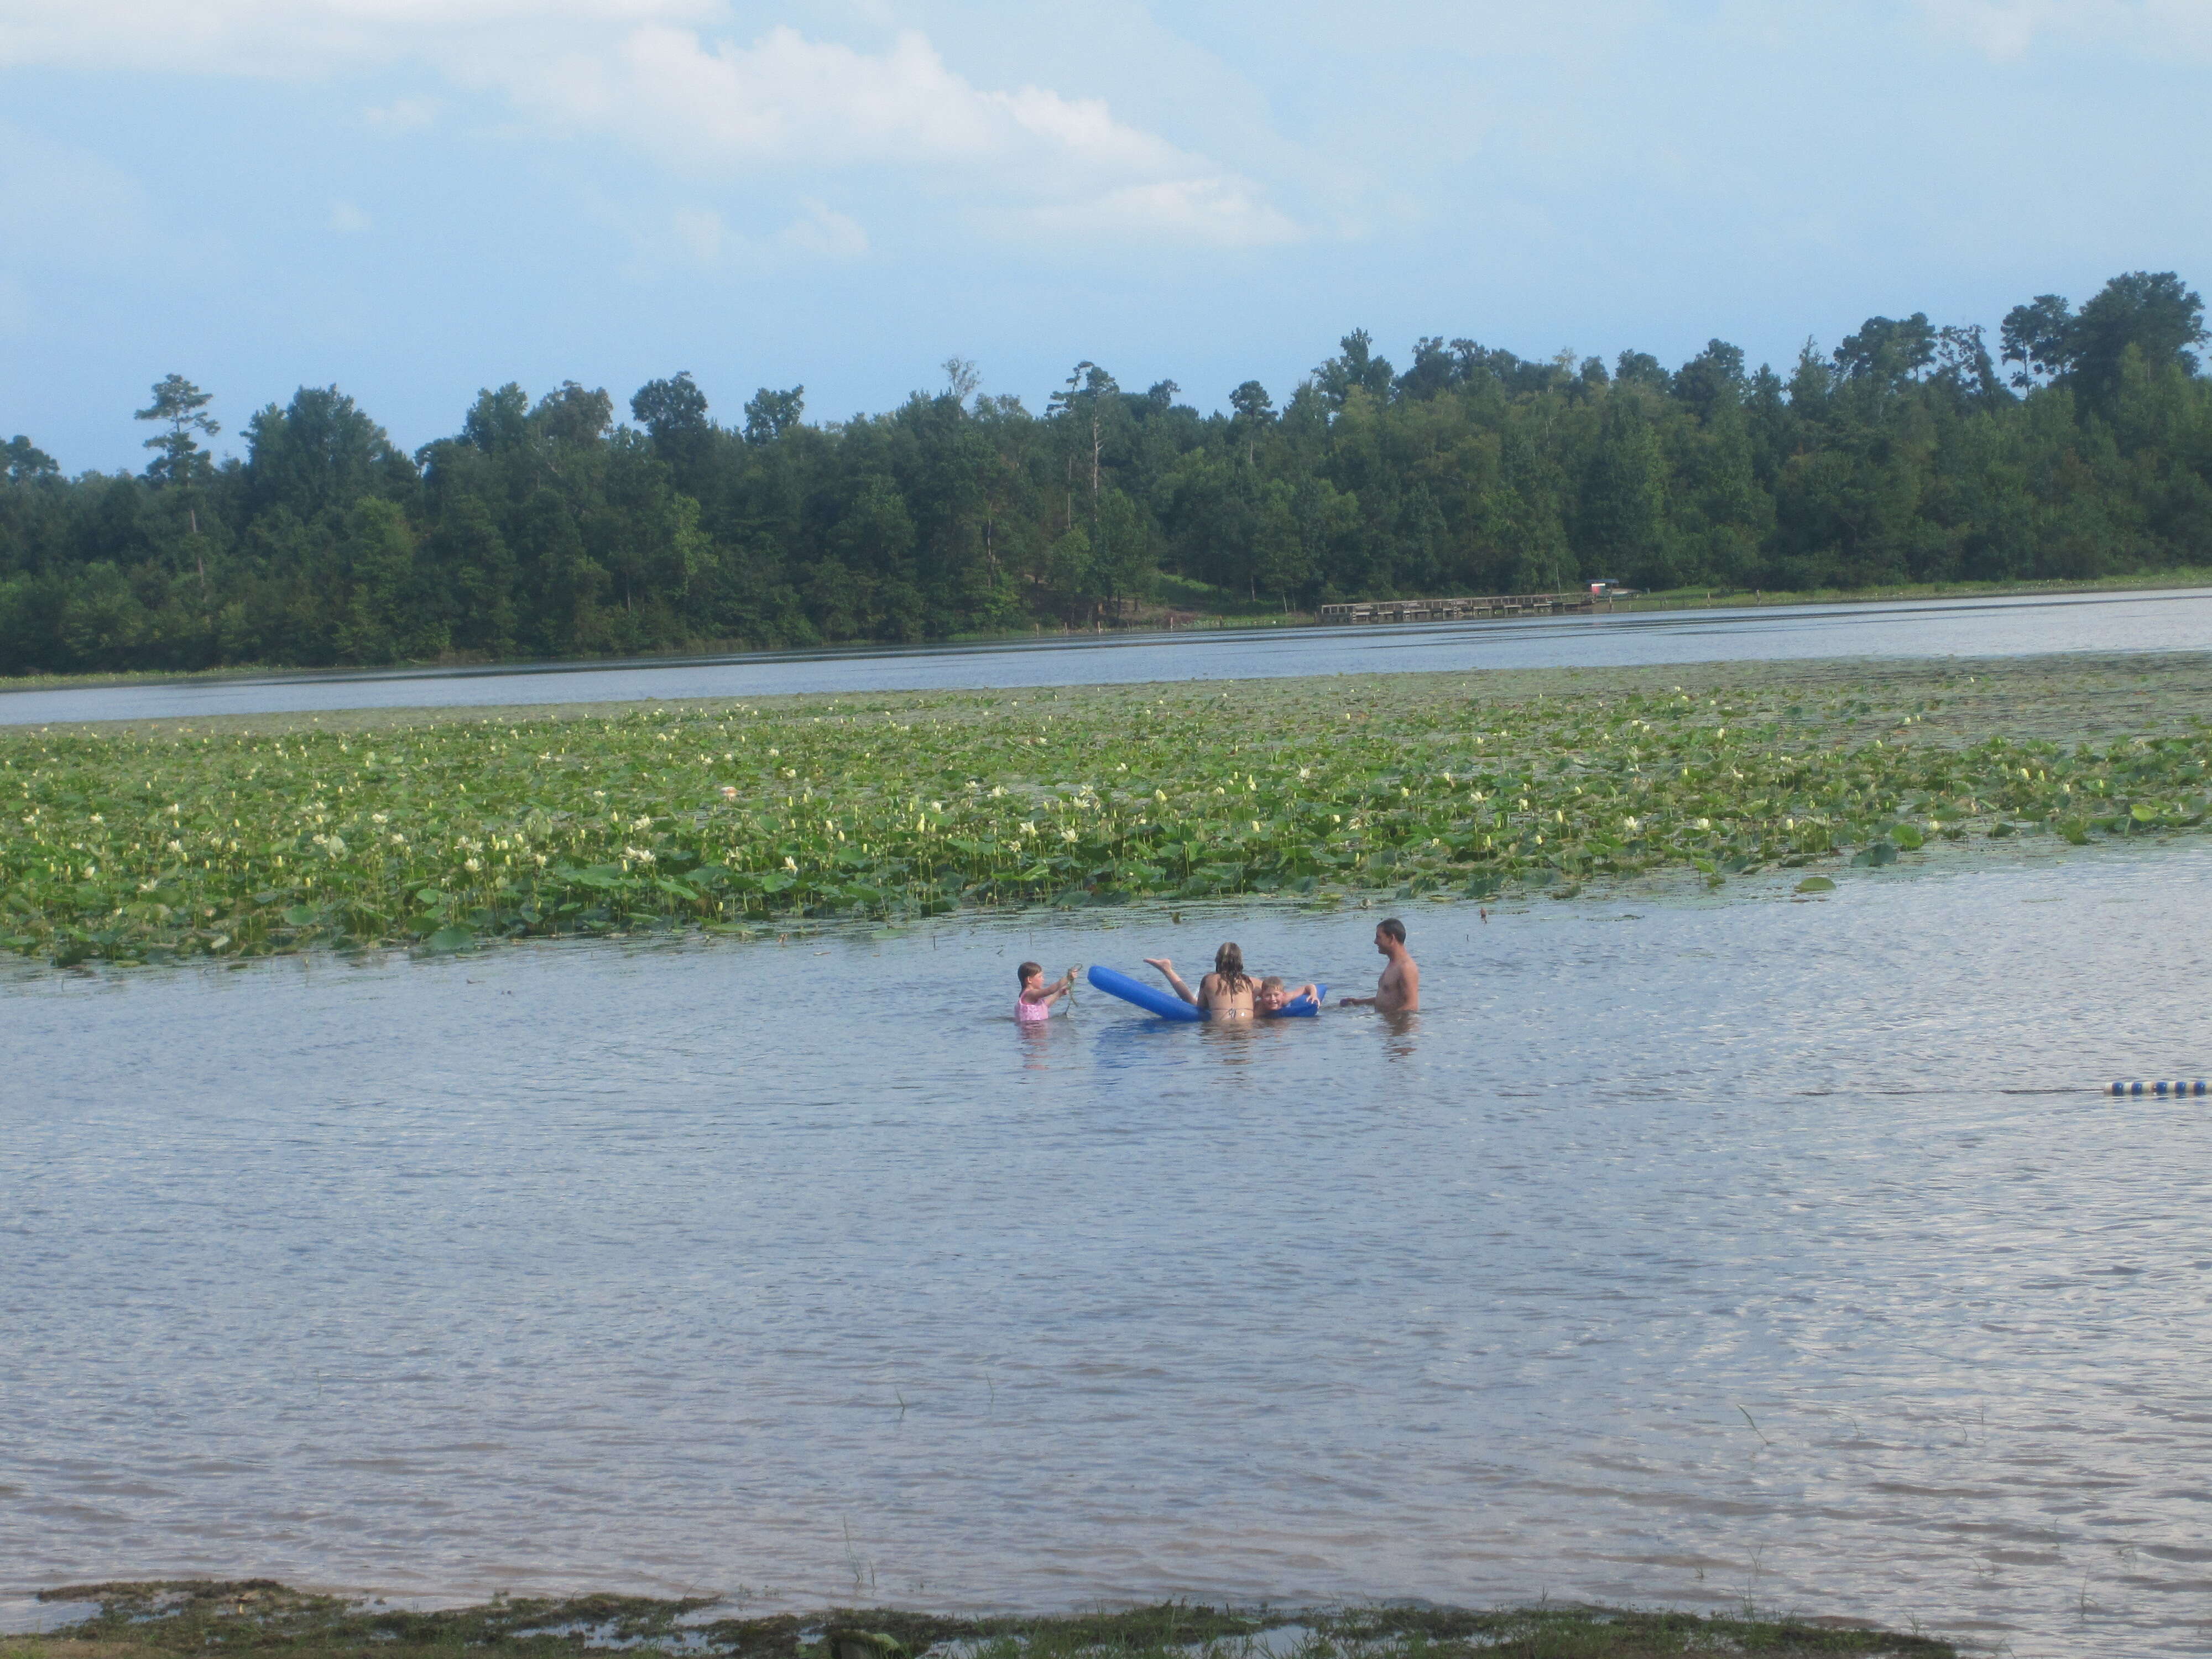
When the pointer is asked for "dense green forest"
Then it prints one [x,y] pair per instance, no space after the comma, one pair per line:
[1910,453]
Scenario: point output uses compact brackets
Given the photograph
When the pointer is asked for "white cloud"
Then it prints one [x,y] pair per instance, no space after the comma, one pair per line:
[67,207]
[700,237]
[1034,156]
[299,37]
[348,220]
[827,233]
[403,114]
[784,99]
[2009,29]
[652,75]
[701,234]
[2002,29]
[1209,210]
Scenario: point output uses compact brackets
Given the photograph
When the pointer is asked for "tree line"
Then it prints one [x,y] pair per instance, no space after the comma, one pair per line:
[548,528]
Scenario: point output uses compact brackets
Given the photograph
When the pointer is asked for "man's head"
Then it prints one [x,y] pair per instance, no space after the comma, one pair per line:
[1389,935]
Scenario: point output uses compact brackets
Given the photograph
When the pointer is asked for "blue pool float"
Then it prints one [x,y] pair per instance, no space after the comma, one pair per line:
[1168,1005]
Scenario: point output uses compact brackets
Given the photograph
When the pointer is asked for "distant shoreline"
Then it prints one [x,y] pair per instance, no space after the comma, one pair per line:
[158,1619]
[2193,579]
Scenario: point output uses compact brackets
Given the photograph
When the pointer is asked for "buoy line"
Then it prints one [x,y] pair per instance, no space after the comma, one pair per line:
[2162,1087]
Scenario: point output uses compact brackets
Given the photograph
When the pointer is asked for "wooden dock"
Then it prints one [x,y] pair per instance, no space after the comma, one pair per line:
[1497,604]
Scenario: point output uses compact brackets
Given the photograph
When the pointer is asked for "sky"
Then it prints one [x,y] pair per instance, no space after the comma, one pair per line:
[413,199]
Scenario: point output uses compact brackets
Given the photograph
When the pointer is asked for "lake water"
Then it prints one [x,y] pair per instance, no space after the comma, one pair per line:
[1678,1252]
[1942,627]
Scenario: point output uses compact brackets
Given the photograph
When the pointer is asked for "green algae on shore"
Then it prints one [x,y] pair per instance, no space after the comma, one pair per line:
[191,839]
[157,1620]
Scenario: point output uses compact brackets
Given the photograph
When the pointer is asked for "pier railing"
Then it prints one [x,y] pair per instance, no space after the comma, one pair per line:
[1496,604]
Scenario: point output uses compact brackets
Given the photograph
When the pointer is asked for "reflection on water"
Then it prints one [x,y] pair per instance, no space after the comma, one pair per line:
[1936,628]
[1674,1253]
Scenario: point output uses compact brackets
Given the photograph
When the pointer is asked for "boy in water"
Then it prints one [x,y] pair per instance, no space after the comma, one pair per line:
[1399,990]
[1272,999]
[1034,1005]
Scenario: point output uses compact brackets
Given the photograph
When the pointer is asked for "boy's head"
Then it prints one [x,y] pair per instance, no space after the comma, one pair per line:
[1269,995]
[1030,970]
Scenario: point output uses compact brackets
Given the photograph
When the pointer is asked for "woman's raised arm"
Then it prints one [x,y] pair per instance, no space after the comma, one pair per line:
[1174,979]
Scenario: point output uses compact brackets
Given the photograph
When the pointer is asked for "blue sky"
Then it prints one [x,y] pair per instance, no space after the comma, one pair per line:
[413,198]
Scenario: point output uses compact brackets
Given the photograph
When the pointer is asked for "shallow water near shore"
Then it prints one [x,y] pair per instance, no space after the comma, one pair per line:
[1679,1251]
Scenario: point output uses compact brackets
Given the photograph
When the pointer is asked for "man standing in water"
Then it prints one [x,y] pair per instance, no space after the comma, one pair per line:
[1399,990]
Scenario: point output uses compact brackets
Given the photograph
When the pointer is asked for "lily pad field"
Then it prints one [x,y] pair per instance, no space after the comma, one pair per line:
[441,829]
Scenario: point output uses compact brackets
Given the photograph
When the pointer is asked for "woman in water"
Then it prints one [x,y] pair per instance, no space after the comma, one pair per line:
[1224,994]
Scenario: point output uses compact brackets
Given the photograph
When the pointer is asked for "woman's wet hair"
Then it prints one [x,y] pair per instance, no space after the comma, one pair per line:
[1229,963]
[1022,974]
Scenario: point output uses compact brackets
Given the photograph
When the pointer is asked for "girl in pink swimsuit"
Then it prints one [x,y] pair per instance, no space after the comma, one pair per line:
[1034,1005]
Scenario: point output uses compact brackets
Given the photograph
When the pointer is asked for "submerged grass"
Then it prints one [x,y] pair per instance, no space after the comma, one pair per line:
[158,1619]
[183,839]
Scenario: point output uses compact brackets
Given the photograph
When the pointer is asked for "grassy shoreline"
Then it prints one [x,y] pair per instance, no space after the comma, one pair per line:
[249,835]
[155,1619]
[1232,614]
[1682,598]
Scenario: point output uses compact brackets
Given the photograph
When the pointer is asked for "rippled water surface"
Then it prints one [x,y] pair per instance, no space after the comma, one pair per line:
[2017,626]
[1677,1252]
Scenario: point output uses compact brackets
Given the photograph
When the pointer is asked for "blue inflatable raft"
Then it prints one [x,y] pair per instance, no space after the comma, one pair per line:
[1168,1005]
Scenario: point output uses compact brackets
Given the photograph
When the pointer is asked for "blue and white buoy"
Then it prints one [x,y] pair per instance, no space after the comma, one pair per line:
[2164,1086]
